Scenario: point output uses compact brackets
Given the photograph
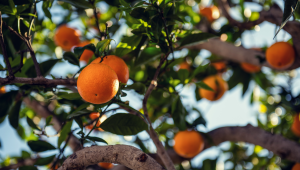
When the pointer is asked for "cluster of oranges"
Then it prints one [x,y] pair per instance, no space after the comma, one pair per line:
[67,38]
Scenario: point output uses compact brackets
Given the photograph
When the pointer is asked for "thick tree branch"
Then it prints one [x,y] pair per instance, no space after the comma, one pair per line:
[38,81]
[129,156]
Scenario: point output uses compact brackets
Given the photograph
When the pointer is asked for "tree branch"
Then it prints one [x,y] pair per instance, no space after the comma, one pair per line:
[38,81]
[129,156]
[25,162]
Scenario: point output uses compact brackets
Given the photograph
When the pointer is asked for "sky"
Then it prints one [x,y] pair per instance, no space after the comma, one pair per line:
[230,110]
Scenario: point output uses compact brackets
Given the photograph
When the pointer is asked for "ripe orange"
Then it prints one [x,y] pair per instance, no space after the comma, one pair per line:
[188,143]
[211,13]
[250,68]
[296,125]
[94,115]
[2,90]
[117,64]
[97,83]
[184,65]
[92,125]
[106,165]
[219,66]
[66,37]
[87,54]
[217,84]
[280,55]
[296,166]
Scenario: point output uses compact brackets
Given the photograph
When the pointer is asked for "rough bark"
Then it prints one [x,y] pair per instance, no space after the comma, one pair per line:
[129,156]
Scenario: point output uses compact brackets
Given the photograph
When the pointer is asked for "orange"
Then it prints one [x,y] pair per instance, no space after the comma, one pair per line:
[118,65]
[219,66]
[66,37]
[87,54]
[184,65]
[94,115]
[97,83]
[2,90]
[211,13]
[188,143]
[106,165]
[92,125]
[217,84]
[280,55]
[250,68]
[296,125]
[296,166]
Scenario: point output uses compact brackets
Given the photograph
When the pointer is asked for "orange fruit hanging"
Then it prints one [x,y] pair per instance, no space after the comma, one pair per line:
[219,66]
[118,65]
[296,166]
[106,165]
[188,144]
[94,115]
[2,90]
[184,65]
[211,13]
[296,125]
[97,83]
[66,37]
[249,68]
[217,84]
[280,55]
[87,54]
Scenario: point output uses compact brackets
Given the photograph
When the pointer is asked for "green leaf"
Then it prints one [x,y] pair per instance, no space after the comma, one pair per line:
[64,133]
[6,9]
[124,124]
[79,3]
[101,45]
[40,146]
[78,112]
[32,124]
[6,101]
[12,7]
[175,17]
[79,50]
[45,67]
[96,139]
[138,13]
[13,116]
[139,4]
[44,161]
[183,75]
[79,122]
[199,121]
[127,45]
[138,87]
[199,69]
[69,96]
[124,3]
[45,8]
[178,113]
[48,120]
[147,55]
[127,106]
[202,85]
[193,39]
[28,168]
[71,58]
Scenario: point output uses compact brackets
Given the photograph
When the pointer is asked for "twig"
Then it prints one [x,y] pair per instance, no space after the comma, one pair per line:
[38,81]
[10,72]
[21,62]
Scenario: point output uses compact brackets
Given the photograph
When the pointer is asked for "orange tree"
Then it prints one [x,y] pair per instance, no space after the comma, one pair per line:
[34,41]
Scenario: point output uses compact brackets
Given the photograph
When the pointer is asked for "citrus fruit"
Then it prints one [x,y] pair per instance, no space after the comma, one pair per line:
[217,84]
[97,83]
[106,165]
[184,65]
[117,64]
[211,13]
[280,55]
[66,37]
[249,68]
[2,90]
[94,115]
[296,125]
[93,124]
[188,143]
[87,54]
[296,166]
[219,66]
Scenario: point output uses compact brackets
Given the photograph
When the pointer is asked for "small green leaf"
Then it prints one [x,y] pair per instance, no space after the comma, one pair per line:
[96,139]
[71,58]
[14,114]
[48,120]
[40,146]
[6,101]
[199,69]
[124,3]
[202,85]
[175,17]
[64,133]
[69,96]
[199,121]
[193,39]
[12,7]
[124,124]
[101,45]
[139,4]
[44,161]
[46,9]
[79,122]
[32,124]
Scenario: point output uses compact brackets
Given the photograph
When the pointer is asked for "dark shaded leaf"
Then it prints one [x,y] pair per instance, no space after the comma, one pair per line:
[202,85]
[13,115]
[193,39]
[137,87]
[32,124]
[28,168]
[178,113]
[44,161]
[124,3]
[6,100]
[96,139]
[40,146]
[101,45]
[124,124]
[79,50]
[183,75]
[69,96]
[45,68]
[79,3]
[148,54]
[64,133]
[71,58]
[199,121]
[48,120]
